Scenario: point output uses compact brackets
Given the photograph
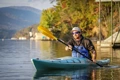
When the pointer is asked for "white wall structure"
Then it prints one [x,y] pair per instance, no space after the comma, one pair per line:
[40,36]
[116,36]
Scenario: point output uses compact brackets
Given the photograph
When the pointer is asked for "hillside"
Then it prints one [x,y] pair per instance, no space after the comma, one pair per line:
[25,32]
[14,18]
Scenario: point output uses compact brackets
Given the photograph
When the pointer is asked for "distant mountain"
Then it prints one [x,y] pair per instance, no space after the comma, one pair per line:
[15,18]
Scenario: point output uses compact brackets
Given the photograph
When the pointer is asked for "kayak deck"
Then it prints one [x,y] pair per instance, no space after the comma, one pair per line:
[66,63]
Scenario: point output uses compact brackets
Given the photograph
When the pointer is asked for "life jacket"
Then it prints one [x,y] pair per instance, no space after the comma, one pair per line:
[82,50]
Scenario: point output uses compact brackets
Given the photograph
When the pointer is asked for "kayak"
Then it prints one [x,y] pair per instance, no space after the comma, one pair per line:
[66,63]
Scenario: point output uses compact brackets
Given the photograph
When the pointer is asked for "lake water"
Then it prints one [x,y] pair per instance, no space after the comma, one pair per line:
[15,62]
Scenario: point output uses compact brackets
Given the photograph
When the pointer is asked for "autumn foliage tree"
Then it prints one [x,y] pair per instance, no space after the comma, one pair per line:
[82,13]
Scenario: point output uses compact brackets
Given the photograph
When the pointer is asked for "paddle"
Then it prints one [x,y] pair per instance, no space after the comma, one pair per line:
[50,35]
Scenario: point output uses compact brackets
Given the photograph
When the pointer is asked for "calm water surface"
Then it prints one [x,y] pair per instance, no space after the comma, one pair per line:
[15,62]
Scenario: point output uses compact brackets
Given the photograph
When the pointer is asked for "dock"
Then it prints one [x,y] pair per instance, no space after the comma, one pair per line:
[116,45]
[111,41]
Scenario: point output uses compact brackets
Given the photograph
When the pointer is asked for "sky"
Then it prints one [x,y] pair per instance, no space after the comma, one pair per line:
[38,4]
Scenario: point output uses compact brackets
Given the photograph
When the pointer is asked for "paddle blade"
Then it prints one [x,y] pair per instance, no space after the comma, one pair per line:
[46,32]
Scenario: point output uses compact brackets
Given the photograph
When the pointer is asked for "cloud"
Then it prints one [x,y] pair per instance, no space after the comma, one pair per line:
[39,4]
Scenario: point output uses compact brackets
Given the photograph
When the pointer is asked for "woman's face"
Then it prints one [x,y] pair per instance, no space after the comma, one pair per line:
[76,35]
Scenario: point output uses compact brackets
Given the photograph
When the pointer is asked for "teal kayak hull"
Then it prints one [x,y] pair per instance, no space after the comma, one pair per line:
[66,63]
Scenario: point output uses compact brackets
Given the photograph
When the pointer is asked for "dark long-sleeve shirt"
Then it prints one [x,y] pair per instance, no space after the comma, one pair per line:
[87,43]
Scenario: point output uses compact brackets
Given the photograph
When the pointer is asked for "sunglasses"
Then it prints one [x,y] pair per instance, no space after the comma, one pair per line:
[75,33]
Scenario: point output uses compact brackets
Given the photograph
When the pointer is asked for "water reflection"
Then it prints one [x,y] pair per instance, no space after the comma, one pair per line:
[49,49]
[82,74]
[112,54]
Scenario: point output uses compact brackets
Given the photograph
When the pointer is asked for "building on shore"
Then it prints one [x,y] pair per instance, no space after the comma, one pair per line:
[40,36]
[22,38]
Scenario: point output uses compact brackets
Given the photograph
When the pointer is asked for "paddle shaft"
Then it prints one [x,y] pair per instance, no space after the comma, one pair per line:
[78,52]
[116,37]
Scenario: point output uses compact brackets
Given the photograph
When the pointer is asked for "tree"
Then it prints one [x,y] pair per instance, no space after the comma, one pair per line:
[82,13]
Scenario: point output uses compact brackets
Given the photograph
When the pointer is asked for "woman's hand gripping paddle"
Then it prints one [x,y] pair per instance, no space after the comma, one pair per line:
[50,35]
